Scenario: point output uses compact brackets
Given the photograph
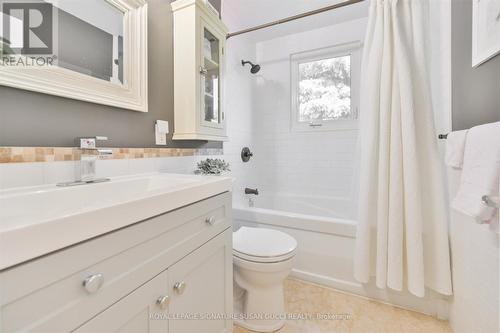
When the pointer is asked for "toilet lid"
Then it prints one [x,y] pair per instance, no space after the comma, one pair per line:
[263,243]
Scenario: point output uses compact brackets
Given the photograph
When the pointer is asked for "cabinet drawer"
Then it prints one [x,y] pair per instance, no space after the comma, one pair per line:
[209,265]
[47,294]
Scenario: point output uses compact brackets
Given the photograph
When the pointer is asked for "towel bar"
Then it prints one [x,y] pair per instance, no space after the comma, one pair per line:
[491,201]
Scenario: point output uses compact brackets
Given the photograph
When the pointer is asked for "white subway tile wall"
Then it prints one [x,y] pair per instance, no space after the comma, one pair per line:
[41,173]
[318,163]
[21,174]
[239,85]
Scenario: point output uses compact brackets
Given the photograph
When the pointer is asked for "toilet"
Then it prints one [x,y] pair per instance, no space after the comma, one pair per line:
[262,259]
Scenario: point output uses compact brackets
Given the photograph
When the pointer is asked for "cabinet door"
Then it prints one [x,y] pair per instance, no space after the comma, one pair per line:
[138,312]
[202,284]
[211,60]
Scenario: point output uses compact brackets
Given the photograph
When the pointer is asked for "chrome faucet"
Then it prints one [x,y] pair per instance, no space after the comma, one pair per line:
[88,159]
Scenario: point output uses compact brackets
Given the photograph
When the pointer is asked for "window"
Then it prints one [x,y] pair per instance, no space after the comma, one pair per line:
[325,88]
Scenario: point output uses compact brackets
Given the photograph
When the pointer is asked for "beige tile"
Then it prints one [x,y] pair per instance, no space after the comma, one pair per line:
[51,154]
[360,315]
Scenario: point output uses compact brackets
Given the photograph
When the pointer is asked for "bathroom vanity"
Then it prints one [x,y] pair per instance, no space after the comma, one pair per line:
[137,254]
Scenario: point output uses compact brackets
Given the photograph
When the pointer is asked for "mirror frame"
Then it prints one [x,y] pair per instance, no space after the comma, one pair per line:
[132,95]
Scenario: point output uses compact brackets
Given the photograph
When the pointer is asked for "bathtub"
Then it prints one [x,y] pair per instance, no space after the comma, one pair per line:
[324,228]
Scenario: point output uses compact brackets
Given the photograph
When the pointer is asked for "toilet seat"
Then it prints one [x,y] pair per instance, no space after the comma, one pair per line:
[261,260]
[263,245]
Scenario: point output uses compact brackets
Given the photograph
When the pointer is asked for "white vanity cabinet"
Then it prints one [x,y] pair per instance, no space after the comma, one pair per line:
[199,47]
[131,280]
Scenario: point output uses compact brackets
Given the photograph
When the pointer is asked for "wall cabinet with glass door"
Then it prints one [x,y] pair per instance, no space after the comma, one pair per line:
[199,42]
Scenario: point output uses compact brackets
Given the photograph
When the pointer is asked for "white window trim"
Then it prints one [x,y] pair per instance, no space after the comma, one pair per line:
[354,50]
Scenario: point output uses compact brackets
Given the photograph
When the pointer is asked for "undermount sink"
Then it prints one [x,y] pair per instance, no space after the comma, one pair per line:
[38,220]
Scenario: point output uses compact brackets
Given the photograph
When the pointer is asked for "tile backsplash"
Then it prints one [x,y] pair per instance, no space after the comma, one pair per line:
[54,154]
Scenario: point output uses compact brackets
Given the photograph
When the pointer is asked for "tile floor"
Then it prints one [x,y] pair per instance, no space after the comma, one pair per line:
[366,316]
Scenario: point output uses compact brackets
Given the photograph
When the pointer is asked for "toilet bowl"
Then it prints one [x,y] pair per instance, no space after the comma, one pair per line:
[262,259]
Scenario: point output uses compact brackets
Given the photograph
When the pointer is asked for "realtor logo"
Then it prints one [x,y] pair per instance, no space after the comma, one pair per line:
[27,28]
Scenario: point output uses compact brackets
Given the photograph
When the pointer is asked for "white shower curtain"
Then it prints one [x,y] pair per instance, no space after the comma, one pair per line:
[402,237]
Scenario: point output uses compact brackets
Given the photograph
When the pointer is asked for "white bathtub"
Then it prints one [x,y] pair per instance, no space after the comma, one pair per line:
[325,230]
[317,206]
[322,226]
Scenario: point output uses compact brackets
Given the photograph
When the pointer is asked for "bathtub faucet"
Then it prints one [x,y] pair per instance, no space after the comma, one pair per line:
[252,191]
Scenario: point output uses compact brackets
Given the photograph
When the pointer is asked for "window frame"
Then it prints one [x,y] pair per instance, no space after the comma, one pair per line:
[352,49]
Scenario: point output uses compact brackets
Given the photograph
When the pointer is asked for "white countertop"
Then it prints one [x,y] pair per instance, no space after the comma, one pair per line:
[38,220]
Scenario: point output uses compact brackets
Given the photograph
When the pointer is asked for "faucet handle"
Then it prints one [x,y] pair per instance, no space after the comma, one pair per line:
[90,142]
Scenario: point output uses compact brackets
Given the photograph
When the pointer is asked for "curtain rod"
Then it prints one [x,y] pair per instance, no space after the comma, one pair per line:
[295,17]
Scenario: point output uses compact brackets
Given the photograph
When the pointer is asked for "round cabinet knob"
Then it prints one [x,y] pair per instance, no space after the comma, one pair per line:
[163,301]
[93,283]
[180,287]
[210,220]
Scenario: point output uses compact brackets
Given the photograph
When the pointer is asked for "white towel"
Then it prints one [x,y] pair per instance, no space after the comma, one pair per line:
[455,148]
[480,172]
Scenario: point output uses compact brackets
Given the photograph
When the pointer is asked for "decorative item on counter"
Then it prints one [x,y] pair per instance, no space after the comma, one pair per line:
[212,166]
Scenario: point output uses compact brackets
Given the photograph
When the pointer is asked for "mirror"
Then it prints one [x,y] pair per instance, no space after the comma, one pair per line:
[87,43]
[93,50]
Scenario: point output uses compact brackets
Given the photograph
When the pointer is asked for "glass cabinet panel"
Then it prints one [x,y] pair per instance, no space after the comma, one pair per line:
[210,80]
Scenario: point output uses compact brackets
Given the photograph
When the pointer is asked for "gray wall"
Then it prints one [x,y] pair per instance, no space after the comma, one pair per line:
[33,119]
[476,91]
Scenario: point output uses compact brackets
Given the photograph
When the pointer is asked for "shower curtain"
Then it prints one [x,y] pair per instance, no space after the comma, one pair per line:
[402,237]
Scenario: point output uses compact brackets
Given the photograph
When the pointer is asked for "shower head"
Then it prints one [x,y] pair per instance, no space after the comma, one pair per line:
[255,68]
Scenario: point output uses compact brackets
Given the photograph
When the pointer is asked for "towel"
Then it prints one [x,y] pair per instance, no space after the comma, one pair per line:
[455,148]
[480,172]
